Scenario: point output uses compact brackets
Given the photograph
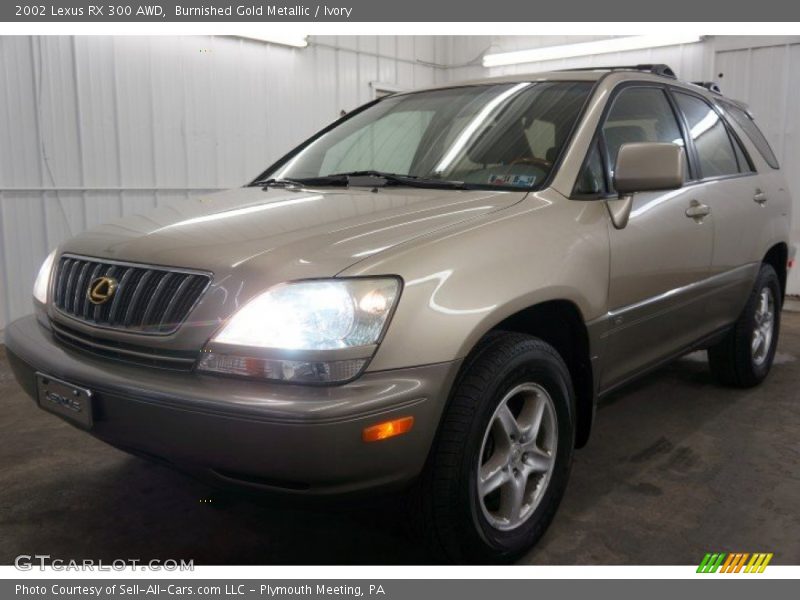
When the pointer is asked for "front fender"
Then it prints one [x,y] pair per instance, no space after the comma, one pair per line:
[462,282]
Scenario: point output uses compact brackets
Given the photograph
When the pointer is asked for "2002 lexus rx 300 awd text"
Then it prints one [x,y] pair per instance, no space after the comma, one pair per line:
[432,293]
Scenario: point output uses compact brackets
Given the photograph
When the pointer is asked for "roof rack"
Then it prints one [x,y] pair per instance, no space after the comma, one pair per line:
[711,86]
[655,69]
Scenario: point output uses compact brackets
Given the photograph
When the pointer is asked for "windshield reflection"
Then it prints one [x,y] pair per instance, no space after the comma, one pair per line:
[505,135]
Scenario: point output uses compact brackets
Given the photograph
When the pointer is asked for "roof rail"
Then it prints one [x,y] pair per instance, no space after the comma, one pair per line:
[711,86]
[655,69]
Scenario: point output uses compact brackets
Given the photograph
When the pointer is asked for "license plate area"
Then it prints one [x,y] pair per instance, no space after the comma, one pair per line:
[68,401]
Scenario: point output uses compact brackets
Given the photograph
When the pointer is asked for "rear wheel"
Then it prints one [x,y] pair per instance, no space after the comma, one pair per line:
[499,467]
[744,357]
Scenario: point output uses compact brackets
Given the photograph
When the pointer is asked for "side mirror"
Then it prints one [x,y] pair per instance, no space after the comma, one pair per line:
[647,167]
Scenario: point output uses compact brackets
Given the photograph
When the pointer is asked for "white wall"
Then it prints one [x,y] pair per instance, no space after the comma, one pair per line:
[96,127]
[92,128]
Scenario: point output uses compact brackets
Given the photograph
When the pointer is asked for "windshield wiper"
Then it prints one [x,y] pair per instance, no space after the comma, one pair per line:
[363,179]
[381,178]
[273,182]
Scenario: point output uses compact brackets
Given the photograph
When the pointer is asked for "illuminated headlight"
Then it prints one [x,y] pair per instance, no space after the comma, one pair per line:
[42,282]
[320,331]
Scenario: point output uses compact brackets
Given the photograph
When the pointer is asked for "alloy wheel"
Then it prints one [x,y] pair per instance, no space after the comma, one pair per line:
[517,456]
[764,327]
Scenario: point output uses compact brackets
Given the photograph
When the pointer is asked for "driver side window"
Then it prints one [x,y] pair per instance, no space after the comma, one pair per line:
[638,114]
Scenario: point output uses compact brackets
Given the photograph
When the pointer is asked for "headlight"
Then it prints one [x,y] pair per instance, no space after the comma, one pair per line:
[311,331]
[43,278]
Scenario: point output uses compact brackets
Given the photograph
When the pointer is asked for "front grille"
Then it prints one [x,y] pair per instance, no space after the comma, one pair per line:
[152,300]
[177,360]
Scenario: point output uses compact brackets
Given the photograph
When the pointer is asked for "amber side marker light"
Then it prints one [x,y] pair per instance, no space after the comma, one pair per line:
[387,429]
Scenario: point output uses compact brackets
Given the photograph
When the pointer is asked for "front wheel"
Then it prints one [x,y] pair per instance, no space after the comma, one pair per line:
[501,461]
[744,357]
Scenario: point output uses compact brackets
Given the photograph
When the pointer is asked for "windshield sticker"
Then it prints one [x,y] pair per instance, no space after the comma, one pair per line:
[517,180]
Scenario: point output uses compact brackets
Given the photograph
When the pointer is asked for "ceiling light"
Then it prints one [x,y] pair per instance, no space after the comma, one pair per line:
[620,44]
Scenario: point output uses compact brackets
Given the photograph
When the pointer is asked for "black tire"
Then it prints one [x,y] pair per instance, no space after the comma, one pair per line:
[453,517]
[732,360]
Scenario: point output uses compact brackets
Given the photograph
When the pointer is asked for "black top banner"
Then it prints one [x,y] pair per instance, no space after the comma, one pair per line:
[404,10]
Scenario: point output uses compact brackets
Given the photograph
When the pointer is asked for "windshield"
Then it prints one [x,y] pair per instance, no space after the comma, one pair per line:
[504,135]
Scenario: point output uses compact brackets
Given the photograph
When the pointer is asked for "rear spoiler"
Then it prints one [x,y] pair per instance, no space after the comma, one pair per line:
[741,106]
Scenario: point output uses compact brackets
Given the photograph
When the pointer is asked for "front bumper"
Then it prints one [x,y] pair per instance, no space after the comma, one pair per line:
[291,438]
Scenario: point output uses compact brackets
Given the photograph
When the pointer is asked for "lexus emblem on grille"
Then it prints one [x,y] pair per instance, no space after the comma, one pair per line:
[102,289]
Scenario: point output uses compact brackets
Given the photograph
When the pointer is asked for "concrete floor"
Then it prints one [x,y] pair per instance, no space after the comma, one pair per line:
[676,467]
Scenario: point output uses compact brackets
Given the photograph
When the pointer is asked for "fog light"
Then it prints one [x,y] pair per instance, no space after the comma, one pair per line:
[298,371]
[387,429]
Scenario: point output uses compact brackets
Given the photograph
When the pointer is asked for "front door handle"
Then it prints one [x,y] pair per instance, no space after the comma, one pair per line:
[760,198]
[697,210]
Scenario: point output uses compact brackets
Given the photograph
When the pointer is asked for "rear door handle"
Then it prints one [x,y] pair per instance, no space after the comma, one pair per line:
[698,210]
[760,198]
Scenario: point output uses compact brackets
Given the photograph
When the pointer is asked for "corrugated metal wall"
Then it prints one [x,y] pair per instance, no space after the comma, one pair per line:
[92,128]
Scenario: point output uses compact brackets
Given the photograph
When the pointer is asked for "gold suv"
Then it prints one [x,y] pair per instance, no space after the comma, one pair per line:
[431,293]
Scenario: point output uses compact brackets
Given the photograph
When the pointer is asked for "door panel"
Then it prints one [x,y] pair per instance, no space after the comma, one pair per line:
[661,259]
[737,219]
[659,266]
[735,194]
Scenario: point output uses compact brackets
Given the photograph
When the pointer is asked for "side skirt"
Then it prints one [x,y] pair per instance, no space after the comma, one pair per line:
[701,344]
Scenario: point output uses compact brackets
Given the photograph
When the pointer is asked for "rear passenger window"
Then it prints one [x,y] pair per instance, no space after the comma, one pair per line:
[741,157]
[714,148]
[640,115]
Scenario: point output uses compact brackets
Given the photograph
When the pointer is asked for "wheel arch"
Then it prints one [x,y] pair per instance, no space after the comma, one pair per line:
[560,323]
[778,257]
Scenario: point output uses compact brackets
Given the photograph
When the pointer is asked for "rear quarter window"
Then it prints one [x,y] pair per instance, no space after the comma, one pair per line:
[753,132]
[715,151]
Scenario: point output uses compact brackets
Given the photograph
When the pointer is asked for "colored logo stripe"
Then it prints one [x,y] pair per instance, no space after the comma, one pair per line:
[734,562]
[711,562]
[758,563]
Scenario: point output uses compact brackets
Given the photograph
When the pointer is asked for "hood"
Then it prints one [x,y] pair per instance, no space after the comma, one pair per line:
[251,239]
[287,233]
